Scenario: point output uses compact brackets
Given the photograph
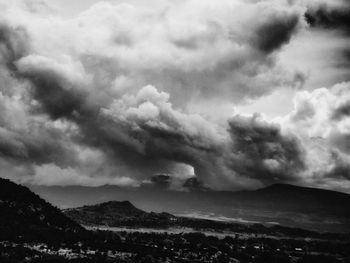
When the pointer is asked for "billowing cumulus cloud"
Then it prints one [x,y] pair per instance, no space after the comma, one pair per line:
[106,97]
[192,49]
[322,123]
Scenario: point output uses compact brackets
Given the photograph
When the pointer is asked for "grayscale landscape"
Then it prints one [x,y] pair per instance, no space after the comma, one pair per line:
[167,131]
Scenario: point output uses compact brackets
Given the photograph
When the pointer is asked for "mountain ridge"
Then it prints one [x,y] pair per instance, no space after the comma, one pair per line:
[289,205]
[119,208]
[113,213]
[24,214]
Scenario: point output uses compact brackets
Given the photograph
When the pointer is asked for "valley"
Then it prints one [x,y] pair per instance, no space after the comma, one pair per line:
[34,231]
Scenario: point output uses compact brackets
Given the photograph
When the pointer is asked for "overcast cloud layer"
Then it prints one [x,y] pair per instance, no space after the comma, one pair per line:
[128,94]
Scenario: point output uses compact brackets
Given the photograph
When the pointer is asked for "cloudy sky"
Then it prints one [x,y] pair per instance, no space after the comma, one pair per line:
[234,93]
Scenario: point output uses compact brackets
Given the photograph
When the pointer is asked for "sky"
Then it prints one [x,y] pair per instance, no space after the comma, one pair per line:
[222,95]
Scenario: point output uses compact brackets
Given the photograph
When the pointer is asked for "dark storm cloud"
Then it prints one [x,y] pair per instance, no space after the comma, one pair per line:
[32,148]
[334,17]
[162,181]
[341,141]
[148,150]
[150,134]
[341,111]
[57,101]
[13,44]
[70,102]
[327,17]
[152,148]
[37,143]
[263,151]
[59,98]
[340,169]
[276,32]
[194,184]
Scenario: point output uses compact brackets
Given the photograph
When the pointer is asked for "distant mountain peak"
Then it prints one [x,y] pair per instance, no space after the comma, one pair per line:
[280,187]
[111,208]
[114,213]
[120,207]
[125,204]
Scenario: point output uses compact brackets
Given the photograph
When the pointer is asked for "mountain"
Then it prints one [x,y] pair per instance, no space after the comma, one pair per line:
[32,230]
[25,215]
[284,197]
[114,213]
[289,205]
[283,204]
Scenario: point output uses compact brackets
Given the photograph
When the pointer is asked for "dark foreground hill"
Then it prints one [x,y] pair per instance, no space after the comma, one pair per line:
[25,215]
[32,230]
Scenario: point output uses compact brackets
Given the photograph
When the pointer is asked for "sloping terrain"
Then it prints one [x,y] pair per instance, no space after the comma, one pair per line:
[24,214]
[114,213]
[294,206]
